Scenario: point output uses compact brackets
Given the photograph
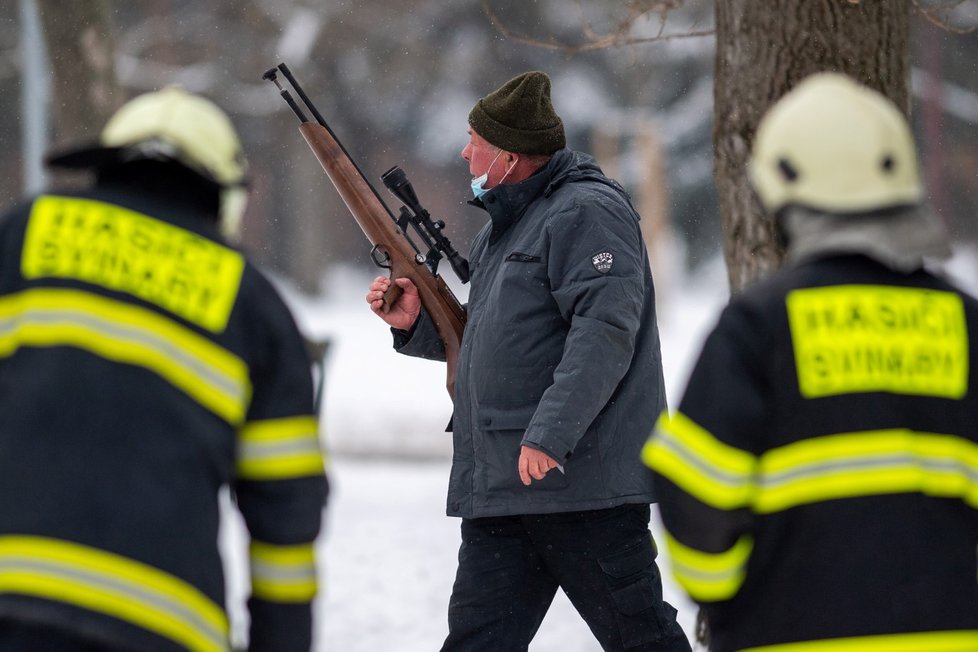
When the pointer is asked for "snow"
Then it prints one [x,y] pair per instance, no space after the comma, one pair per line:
[388,552]
[389,559]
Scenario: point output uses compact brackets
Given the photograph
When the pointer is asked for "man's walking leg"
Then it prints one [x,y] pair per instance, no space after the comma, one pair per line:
[502,589]
[605,562]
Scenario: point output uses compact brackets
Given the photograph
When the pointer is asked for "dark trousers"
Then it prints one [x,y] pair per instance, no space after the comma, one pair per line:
[509,569]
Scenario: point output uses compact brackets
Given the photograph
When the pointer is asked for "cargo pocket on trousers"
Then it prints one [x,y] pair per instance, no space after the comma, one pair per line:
[636,589]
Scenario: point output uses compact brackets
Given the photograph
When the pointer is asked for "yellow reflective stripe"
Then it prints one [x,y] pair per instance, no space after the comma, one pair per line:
[867,338]
[954,641]
[709,577]
[108,245]
[283,573]
[125,333]
[868,463]
[119,587]
[717,474]
[278,449]
[813,470]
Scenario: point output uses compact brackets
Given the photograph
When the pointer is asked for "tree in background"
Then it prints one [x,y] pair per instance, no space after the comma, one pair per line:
[764,48]
[81,48]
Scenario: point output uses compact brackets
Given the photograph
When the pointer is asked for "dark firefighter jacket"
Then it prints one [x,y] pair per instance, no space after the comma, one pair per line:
[143,366]
[819,482]
[560,350]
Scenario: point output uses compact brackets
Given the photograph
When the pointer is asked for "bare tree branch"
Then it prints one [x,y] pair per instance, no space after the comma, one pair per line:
[617,37]
[940,15]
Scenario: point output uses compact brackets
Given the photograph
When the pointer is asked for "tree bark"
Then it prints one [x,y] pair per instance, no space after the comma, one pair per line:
[764,48]
[82,52]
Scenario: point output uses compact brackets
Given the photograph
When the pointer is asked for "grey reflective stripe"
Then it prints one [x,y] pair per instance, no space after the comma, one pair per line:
[296,445]
[668,440]
[206,373]
[867,463]
[815,469]
[134,592]
[283,573]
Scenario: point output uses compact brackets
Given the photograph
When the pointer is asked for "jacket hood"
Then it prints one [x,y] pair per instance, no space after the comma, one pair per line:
[902,239]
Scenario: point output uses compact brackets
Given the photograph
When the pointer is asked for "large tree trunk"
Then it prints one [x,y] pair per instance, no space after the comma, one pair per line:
[81,49]
[764,48]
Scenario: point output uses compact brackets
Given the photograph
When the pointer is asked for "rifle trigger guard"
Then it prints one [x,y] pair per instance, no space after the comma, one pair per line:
[380,257]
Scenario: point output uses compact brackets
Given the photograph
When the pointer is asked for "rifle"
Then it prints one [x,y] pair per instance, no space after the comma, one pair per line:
[393,249]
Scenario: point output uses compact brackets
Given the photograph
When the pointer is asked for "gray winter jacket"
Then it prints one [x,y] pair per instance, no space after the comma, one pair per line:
[560,351]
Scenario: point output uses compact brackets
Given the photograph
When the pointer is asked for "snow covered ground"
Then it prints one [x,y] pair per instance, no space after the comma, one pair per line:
[388,551]
[389,562]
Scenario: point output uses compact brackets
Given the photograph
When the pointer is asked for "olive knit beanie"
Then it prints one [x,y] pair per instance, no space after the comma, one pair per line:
[518,117]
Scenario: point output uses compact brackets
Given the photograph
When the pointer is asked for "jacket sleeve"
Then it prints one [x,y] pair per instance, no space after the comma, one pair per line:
[421,341]
[705,459]
[281,488]
[603,307]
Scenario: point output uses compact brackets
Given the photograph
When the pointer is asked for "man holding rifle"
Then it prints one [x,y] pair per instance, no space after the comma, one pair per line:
[559,380]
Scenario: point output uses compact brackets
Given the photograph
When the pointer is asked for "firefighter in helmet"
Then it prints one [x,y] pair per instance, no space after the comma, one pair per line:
[819,480]
[146,366]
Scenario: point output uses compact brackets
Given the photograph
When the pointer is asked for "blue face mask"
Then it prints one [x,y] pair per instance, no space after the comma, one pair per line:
[478,188]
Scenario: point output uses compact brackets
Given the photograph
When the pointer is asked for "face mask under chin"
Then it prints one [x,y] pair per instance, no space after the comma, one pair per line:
[478,183]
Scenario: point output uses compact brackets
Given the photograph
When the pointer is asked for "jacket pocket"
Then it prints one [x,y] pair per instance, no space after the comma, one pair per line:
[506,417]
[520,257]
[502,428]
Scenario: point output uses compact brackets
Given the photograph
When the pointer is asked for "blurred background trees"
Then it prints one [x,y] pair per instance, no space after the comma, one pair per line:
[634,81]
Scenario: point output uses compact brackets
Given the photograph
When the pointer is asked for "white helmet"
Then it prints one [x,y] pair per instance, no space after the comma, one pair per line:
[836,146]
[172,124]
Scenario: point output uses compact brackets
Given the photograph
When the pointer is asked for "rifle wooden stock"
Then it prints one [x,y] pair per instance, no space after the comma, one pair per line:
[378,225]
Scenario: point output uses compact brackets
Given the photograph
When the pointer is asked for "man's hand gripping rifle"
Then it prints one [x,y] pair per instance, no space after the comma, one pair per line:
[393,248]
